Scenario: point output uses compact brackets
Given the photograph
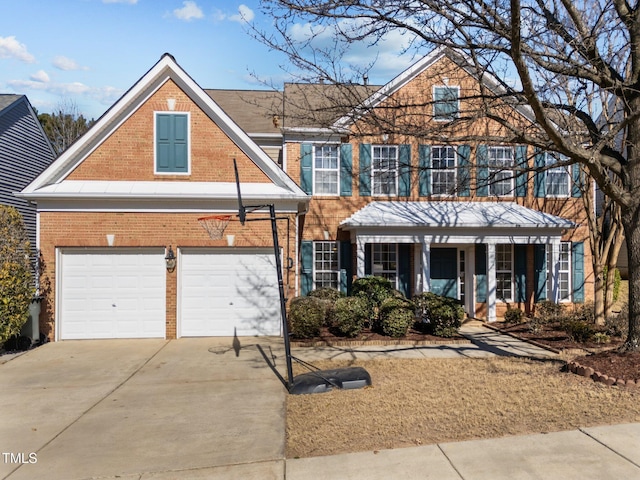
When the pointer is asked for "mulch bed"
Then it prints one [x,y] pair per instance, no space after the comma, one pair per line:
[368,337]
[604,359]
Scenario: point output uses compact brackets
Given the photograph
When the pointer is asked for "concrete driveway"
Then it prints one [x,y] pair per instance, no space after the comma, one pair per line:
[141,409]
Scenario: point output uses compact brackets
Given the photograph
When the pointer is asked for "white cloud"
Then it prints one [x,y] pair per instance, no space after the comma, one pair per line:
[189,11]
[12,48]
[67,64]
[105,95]
[244,15]
[40,76]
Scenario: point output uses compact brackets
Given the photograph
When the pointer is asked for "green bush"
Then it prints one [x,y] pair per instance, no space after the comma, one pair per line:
[326,293]
[16,281]
[548,311]
[350,315]
[306,316]
[438,315]
[328,296]
[375,289]
[579,330]
[513,315]
[397,315]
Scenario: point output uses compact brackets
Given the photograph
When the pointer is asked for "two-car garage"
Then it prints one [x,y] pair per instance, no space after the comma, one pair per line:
[122,293]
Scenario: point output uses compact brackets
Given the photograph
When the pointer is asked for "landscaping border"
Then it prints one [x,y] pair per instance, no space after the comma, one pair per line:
[389,343]
[589,372]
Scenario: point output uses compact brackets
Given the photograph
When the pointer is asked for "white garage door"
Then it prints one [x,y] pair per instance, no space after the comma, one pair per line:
[228,291]
[115,294]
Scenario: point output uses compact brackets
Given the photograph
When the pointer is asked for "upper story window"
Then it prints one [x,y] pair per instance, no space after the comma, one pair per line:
[446,103]
[500,171]
[326,168]
[172,143]
[384,169]
[443,171]
[557,179]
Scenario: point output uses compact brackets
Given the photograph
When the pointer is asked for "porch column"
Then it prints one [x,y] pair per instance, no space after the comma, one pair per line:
[554,269]
[491,282]
[360,262]
[426,267]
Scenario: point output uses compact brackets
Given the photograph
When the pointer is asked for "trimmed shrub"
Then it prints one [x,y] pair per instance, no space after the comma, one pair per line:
[306,316]
[397,315]
[328,296]
[548,311]
[513,315]
[376,289]
[439,315]
[578,330]
[350,315]
[326,293]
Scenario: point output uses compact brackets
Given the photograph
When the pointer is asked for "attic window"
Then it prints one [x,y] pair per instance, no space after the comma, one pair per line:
[446,102]
[172,143]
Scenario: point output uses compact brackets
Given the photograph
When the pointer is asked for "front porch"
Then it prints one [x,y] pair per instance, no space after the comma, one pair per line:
[486,254]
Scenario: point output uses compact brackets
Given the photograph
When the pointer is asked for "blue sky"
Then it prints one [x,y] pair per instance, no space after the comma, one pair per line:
[90,52]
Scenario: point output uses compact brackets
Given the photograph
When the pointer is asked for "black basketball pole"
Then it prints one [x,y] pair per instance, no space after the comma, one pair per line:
[283,306]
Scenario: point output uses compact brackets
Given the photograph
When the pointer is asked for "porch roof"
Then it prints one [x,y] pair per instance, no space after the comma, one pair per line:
[452,214]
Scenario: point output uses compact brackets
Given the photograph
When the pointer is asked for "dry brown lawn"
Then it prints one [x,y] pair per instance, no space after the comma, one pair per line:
[414,402]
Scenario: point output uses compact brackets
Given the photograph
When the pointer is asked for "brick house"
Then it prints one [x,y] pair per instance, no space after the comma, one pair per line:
[459,218]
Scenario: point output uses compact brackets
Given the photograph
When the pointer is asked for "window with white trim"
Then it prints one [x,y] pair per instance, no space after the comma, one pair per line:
[446,103]
[385,261]
[557,178]
[384,169]
[443,170]
[325,265]
[504,272]
[326,169]
[564,272]
[501,171]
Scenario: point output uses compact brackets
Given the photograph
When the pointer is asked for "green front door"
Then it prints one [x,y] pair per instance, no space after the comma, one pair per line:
[444,271]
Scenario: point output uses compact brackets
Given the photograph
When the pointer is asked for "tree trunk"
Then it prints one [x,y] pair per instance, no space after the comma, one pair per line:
[630,218]
[598,293]
[611,275]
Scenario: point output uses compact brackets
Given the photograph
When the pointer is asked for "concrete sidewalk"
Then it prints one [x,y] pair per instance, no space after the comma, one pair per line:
[599,453]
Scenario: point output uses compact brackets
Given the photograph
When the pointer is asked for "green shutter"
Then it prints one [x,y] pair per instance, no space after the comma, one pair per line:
[404,171]
[464,165]
[346,170]
[172,143]
[365,170]
[404,269]
[521,169]
[520,254]
[424,177]
[306,168]
[306,271]
[576,177]
[346,267]
[482,165]
[481,273]
[540,272]
[540,178]
[577,260]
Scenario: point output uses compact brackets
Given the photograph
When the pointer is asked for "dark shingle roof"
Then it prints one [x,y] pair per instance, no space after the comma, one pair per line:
[8,99]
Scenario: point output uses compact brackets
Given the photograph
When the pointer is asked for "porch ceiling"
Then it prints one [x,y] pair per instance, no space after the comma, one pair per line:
[451,215]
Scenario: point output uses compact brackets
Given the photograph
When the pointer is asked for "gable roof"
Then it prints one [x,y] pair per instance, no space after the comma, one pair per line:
[7,99]
[408,75]
[164,70]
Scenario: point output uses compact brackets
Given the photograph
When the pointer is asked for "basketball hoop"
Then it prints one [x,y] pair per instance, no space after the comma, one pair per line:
[215,225]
